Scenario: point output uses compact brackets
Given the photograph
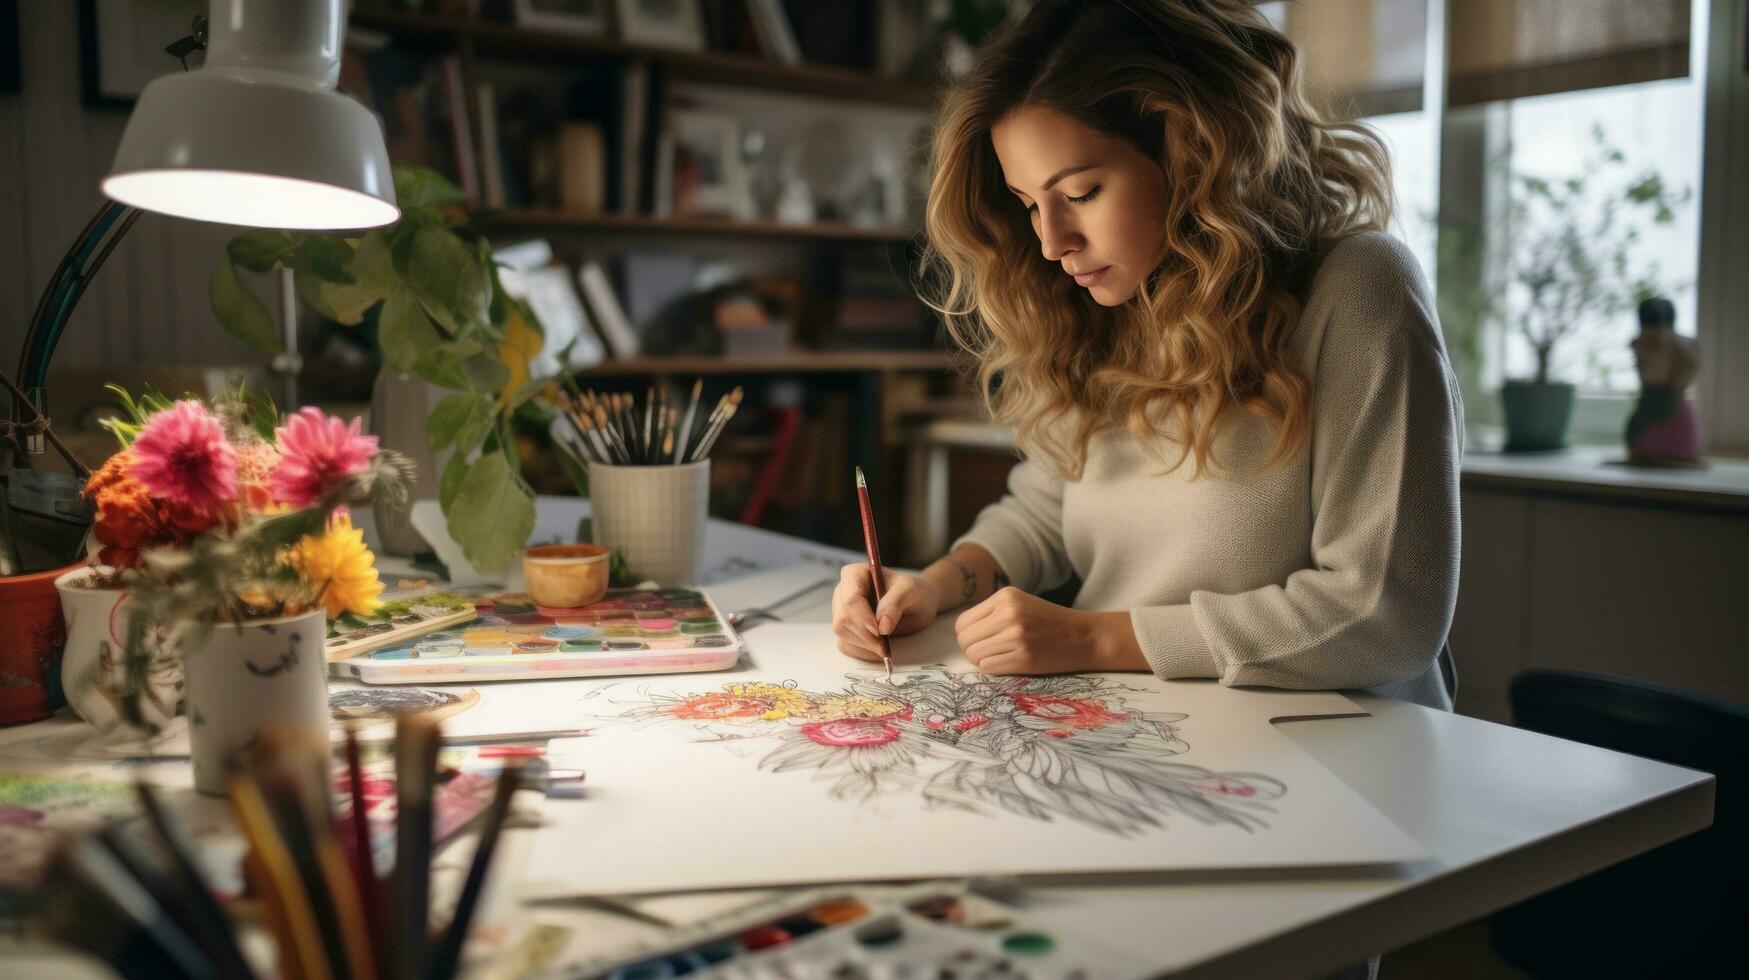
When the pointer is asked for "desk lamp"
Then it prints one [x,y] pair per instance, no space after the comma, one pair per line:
[260,137]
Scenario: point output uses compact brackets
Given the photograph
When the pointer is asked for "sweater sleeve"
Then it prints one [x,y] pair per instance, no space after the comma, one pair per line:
[1376,602]
[1024,530]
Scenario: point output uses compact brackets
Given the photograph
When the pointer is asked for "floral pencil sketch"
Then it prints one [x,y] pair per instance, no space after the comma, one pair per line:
[1046,748]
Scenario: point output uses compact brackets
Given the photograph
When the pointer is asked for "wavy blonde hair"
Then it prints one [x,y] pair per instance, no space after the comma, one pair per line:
[1257,181]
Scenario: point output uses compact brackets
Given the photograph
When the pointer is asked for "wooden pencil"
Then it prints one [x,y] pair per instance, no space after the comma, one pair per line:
[449,950]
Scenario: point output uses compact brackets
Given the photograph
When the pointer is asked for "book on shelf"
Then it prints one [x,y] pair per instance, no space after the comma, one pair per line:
[461,132]
[492,190]
[582,168]
[606,312]
[776,36]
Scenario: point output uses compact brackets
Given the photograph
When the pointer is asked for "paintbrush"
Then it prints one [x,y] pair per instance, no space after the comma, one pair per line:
[686,426]
[873,546]
[732,402]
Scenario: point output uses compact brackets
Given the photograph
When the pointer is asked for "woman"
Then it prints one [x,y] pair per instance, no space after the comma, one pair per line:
[1238,423]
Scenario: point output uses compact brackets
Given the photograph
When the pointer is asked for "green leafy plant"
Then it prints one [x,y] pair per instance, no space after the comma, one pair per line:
[442,314]
[1570,250]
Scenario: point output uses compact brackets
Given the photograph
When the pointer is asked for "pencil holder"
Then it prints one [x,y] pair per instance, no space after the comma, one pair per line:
[656,514]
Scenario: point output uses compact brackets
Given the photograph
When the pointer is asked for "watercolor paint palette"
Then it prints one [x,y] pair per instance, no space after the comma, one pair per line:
[931,933]
[630,631]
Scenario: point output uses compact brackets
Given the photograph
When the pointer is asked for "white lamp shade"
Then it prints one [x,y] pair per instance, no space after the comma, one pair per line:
[258,137]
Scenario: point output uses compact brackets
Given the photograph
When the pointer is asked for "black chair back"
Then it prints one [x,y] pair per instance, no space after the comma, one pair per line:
[1680,910]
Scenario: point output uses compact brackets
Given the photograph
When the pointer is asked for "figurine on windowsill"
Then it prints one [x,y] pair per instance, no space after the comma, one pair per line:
[1664,429]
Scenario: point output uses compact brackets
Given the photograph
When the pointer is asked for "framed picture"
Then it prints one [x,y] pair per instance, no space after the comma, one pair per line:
[586,17]
[121,46]
[661,23]
[708,176]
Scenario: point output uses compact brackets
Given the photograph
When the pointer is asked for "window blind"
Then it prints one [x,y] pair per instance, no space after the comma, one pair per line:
[1361,57]
[1511,49]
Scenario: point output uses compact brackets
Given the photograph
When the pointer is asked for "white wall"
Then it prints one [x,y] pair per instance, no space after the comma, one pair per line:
[149,303]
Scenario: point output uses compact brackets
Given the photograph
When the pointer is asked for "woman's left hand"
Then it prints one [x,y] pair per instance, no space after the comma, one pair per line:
[1014,632]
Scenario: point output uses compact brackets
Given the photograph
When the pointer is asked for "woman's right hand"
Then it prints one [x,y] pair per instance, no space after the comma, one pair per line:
[909,605]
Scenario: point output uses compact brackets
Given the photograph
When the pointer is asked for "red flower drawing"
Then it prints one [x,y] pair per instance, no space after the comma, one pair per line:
[720,706]
[851,733]
[1073,712]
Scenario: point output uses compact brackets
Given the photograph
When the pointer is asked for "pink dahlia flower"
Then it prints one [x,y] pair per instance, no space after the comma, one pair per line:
[316,452]
[181,455]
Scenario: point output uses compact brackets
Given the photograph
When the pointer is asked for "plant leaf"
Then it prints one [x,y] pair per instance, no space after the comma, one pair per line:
[522,343]
[417,187]
[327,257]
[260,250]
[454,472]
[241,311]
[373,277]
[461,420]
[449,280]
[403,330]
[492,513]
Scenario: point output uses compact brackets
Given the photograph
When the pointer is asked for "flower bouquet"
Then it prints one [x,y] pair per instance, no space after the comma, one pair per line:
[228,528]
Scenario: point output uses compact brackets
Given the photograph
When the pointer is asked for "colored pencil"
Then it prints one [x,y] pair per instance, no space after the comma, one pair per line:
[873,546]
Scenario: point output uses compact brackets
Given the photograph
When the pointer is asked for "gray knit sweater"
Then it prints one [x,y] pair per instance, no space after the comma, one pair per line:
[1338,569]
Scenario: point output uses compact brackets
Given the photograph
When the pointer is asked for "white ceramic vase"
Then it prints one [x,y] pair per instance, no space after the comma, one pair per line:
[91,668]
[246,680]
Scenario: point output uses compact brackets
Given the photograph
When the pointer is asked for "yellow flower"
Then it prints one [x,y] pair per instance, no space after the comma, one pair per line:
[853,706]
[342,566]
[782,701]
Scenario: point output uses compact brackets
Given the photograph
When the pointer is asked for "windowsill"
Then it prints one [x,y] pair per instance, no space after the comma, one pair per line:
[1594,472]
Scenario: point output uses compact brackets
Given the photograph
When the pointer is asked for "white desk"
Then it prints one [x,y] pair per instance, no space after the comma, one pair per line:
[1505,814]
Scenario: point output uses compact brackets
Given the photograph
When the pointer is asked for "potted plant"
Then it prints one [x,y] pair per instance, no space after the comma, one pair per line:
[1570,266]
[443,316]
[230,533]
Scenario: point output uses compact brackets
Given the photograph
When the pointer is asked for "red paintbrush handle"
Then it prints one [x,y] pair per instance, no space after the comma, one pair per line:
[873,546]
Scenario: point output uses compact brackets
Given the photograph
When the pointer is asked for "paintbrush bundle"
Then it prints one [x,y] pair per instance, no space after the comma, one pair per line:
[133,895]
[613,429]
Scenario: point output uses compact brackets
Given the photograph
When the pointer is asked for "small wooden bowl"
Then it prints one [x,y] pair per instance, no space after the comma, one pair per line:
[565,575]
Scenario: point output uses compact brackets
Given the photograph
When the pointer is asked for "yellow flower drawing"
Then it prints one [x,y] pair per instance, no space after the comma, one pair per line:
[339,562]
[784,701]
[855,706]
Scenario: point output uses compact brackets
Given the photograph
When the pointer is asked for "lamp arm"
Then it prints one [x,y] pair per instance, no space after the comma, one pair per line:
[66,286]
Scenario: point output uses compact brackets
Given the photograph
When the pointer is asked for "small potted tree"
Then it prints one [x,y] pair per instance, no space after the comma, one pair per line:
[1571,267]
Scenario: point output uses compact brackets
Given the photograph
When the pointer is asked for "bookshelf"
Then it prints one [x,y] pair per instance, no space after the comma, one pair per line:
[797,362]
[856,403]
[526,219]
[498,40]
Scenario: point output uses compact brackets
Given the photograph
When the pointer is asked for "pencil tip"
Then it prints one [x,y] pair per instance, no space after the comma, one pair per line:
[859,480]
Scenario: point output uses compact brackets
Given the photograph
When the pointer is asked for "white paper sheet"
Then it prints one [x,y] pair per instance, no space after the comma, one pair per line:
[806,766]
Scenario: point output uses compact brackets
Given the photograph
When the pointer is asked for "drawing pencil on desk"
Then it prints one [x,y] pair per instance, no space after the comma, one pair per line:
[873,545]
[273,874]
[186,872]
[416,745]
[213,939]
[91,902]
[364,864]
[449,949]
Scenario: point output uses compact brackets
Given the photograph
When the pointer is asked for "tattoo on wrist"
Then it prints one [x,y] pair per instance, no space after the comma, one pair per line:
[968,581]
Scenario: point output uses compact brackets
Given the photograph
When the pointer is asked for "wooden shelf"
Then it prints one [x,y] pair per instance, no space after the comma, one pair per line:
[590,221]
[495,40]
[796,362]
